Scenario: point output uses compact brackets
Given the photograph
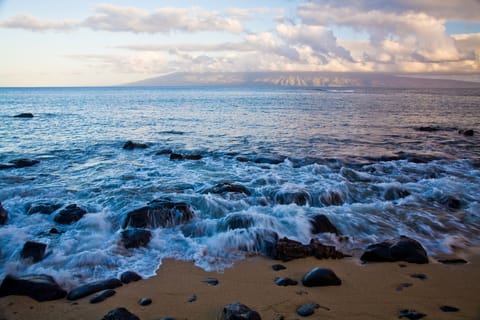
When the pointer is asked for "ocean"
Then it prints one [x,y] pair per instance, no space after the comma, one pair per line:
[247,162]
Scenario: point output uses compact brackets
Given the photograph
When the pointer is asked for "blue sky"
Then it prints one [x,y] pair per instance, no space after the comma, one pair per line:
[77,43]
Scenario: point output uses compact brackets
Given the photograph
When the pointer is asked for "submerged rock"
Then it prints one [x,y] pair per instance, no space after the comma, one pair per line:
[238,311]
[332,198]
[130,145]
[70,214]
[93,287]
[321,224]
[134,238]
[467,132]
[159,213]
[39,287]
[130,276]
[228,187]
[236,221]
[402,249]
[300,197]
[43,208]
[321,277]
[178,156]
[33,250]
[3,215]
[395,193]
[120,314]
[19,163]
[26,115]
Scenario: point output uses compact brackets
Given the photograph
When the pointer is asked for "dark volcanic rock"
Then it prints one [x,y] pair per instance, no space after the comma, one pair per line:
[178,156]
[44,208]
[130,276]
[236,221]
[33,250]
[145,301]
[411,314]
[70,214]
[449,309]
[3,215]
[467,132]
[130,145]
[321,224]
[39,287]
[102,296]
[428,129]
[192,298]
[307,309]
[285,282]
[268,159]
[300,197]
[24,115]
[210,281]
[320,277]
[278,267]
[452,261]
[22,163]
[332,198]
[238,311]
[159,213]
[134,238]
[286,250]
[163,152]
[120,314]
[321,251]
[228,187]
[402,249]
[395,193]
[420,276]
[265,241]
[93,287]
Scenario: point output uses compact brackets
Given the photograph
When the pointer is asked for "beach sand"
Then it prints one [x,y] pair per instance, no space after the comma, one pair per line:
[368,291]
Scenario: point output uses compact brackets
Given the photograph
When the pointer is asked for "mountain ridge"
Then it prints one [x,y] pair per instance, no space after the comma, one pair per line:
[301,79]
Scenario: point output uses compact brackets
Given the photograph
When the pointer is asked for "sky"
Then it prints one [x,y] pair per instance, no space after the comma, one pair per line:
[92,43]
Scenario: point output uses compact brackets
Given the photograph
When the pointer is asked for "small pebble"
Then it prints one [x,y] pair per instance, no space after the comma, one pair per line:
[403,286]
[144,301]
[449,309]
[420,276]
[307,309]
[278,267]
[411,314]
[192,298]
[285,282]
[210,281]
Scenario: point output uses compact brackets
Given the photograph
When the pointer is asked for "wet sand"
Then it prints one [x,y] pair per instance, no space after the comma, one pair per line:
[368,291]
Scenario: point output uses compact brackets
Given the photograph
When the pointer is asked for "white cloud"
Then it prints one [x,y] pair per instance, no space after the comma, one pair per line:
[130,19]
[115,18]
[29,22]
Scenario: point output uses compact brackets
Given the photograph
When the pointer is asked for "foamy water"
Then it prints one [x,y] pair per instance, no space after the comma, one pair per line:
[377,163]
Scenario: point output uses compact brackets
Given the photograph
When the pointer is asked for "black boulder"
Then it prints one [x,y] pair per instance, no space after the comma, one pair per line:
[39,287]
[238,311]
[70,214]
[93,287]
[321,277]
[33,250]
[402,249]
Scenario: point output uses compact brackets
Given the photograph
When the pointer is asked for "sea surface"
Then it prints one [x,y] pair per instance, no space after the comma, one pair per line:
[378,163]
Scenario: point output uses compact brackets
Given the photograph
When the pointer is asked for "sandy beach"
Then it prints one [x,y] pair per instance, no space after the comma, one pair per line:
[368,291]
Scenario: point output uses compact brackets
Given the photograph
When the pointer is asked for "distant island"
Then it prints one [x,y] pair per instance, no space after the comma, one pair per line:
[302,79]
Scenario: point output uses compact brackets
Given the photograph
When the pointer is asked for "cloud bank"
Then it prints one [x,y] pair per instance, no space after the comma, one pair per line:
[383,36]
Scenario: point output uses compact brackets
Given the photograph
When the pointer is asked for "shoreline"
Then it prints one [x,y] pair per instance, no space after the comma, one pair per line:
[368,291]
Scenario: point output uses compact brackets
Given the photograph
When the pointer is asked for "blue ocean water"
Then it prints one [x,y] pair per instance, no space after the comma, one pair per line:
[377,162]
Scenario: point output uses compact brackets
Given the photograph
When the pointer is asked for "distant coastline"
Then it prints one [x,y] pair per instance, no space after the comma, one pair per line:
[303,79]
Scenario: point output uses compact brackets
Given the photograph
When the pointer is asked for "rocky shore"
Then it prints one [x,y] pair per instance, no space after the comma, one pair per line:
[265,288]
